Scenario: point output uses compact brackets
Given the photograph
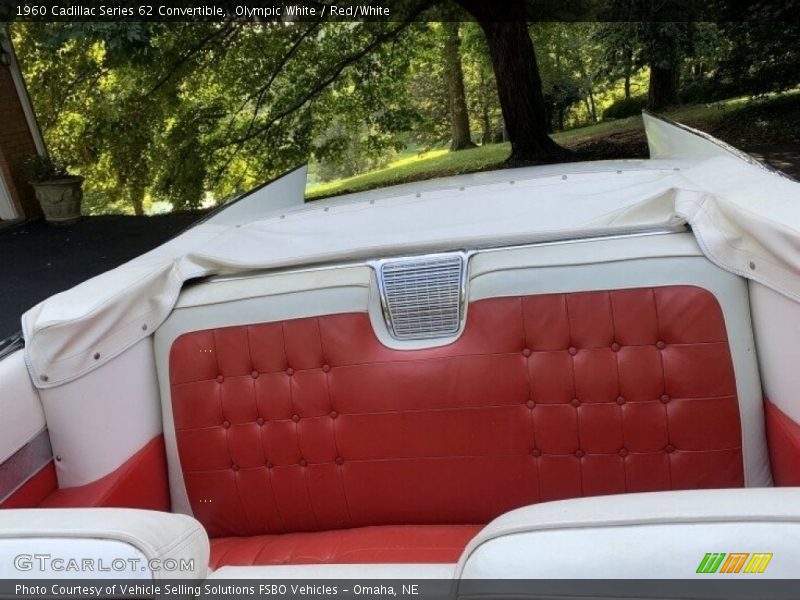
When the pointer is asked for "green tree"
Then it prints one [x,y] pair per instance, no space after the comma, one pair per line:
[139,112]
[619,51]
[483,104]
[191,112]
[460,137]
[425,90]
[759,57]
[519,84]
[571,71]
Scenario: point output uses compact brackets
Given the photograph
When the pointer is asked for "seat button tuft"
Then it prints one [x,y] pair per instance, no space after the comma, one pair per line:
[536,452]
[669,448]
[620,400]
[579,453]
[660,344]
[572,350]
[303,462]
[290,371]
[254,374]
[339,460]
[226,424]
[260,420]
[326,368]
[295,418]
[269,465]
[220,379]
[615,347]
[526,352]
[665,398]
[530,404]
[575,402]
[334,414]
[623,452]
[234,467]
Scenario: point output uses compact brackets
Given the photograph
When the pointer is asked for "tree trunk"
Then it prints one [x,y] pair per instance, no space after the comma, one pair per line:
[590,92]
[136,194]
[519,86]
[628,73]
[486,126]
[663,87]
[459,117]
[483,104]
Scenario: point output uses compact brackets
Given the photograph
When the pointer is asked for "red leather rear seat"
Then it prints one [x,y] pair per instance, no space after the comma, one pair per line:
[312,425]
[387,544]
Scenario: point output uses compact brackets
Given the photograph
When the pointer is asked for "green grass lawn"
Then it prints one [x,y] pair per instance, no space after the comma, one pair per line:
[441,163]
[435,163]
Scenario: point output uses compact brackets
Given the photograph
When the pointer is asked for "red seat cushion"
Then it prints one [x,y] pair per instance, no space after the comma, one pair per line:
[313,424]
[388,544]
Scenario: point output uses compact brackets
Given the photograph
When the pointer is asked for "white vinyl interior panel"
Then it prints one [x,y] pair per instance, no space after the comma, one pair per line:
[776,325]
[578,553]
[52,557]
[99,421]
[656,535]
[129,543]
[21,415]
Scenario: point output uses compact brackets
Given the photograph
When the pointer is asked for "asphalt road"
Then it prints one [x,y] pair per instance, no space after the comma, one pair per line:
[38,260]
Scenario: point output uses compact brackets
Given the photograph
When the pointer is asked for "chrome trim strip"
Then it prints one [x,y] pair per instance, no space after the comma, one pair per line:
[666,228]
[590,235]
[740,154]
[24,464]
[11,344]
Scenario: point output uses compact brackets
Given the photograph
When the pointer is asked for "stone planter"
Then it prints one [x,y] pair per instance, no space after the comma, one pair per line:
[60,199]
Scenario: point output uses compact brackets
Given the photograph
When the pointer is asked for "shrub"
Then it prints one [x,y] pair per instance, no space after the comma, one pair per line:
[45,168]
[625,107]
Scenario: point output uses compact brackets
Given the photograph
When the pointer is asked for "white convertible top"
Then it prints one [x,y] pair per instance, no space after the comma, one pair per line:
[745,218]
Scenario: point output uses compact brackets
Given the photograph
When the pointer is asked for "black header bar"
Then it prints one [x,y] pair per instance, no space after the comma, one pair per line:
[260,11]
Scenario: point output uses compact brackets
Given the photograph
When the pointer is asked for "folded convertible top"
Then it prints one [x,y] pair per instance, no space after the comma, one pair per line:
[746,220]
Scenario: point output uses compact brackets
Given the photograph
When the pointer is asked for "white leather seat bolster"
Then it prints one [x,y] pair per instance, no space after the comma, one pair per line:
[101,542]
[658,535]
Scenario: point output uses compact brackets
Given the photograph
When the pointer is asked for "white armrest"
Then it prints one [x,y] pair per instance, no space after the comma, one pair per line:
[654,535]
[92,543]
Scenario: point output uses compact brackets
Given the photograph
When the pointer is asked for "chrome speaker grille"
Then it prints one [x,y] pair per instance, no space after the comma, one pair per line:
[423,297]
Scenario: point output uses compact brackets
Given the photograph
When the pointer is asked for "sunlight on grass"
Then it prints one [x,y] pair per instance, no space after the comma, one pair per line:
[415,158]
[441,162]
[435,163]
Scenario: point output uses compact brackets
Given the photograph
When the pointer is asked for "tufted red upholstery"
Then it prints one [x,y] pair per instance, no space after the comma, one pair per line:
[312,424]
[387,544]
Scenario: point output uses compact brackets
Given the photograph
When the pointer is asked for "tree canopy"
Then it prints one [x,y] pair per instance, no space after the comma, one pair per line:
[188,114]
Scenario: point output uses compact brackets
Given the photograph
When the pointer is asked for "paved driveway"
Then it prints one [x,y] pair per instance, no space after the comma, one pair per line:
[38,260]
